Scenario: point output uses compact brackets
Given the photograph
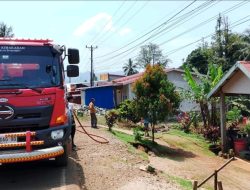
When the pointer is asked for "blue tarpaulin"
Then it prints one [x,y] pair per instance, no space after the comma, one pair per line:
[104,96]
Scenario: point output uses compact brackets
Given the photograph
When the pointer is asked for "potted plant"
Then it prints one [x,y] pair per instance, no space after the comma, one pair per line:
[247,129]
[212,133]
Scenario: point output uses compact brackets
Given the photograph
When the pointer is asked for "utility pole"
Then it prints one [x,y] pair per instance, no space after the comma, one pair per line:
[91,68]
[153,58]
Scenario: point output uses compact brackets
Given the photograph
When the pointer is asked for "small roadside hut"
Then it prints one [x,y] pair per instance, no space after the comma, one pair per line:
[235,82]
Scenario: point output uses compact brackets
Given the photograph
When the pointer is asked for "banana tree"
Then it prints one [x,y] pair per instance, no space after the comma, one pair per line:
[200,87]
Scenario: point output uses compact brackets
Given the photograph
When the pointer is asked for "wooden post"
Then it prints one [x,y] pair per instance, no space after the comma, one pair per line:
[195,185]
[215,179]
[220,185]
[223,122]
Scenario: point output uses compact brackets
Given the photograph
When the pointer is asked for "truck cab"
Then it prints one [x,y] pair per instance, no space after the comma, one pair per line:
[35,122]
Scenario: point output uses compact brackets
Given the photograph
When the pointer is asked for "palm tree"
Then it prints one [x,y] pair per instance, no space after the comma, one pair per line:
[130,68]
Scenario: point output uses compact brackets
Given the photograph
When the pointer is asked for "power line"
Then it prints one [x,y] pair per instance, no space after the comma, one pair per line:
[236,23]
[210,35]
[113,15]
[134,47]
[199,8]
[156,23]
[129,19]
[118,20]
[200,24]
[150,30]
[101,33]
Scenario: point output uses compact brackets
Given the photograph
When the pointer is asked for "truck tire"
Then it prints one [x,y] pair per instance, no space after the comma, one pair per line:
[62,160]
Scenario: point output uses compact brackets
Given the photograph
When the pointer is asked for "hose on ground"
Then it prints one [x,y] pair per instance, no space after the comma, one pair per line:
[105,141]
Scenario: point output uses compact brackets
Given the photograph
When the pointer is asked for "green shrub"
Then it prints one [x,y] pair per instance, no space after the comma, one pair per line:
[127,110]
[234,115]
[138,133]
[111,117]
[247,128]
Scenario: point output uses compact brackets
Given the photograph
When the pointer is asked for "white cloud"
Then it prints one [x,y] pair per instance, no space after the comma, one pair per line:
[96,22]
[124,31]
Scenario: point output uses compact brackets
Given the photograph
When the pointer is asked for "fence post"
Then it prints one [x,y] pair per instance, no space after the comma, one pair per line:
[195,185]
[220,185]
[215,179]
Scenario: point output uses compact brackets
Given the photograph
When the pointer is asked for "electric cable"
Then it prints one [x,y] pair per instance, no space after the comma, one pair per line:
[233,26]
[118,20]
[164,23]
[209,35]
[164,29]
[129,19]
[95,37]
[200,7]
[200,24]
[134,47]
[113,15]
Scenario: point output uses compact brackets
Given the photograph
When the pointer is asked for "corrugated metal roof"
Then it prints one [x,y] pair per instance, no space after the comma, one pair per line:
[243,66]
[132,78]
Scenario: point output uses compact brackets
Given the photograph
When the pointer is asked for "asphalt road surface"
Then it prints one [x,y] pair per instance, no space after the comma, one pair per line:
[41,175]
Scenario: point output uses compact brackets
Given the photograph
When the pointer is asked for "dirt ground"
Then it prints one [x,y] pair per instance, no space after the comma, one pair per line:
[196,166]
[188,165]
[113,166]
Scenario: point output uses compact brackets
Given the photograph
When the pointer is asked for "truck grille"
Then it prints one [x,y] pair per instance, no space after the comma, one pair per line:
[28,115]
[27,118]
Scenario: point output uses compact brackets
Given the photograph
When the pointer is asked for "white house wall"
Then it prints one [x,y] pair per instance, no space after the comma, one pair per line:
[177,79]
[131,94]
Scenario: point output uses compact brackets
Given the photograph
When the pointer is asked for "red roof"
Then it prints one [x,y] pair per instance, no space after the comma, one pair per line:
[132,78]
[128,79]
[15,41]
[245,64]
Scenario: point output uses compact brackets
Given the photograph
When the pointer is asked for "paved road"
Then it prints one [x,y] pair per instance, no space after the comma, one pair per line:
[41,175]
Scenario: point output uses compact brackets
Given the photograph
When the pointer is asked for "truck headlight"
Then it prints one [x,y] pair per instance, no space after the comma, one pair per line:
[57,134]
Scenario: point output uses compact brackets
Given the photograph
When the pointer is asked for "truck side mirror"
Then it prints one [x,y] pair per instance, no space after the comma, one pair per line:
[72,71]
[73,56]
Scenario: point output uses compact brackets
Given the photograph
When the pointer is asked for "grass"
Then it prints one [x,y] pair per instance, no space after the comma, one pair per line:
[183,183]
[128,139]
[187,141]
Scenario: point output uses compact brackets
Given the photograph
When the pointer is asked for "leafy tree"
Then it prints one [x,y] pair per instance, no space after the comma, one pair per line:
[230,47]
[151,53]
[130,68]
[200,58]
[156,97]
[226,48]
[200,89]
[5,31]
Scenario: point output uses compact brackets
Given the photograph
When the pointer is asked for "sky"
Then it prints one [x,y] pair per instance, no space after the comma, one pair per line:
[120,28]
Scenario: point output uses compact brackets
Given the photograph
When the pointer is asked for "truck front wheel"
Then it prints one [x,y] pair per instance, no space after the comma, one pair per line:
[62,160]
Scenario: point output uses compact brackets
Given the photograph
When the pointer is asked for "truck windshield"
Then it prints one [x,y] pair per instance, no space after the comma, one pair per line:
[29,67]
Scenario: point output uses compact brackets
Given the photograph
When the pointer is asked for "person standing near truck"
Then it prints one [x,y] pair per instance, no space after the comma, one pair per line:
[73,128]
[93,113]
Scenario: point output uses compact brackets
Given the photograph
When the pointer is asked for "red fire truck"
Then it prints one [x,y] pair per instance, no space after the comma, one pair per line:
[35,123]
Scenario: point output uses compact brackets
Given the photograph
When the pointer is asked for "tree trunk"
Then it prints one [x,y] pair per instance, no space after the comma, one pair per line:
[207,114]
[203,114]
[213,113]
[153,133]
